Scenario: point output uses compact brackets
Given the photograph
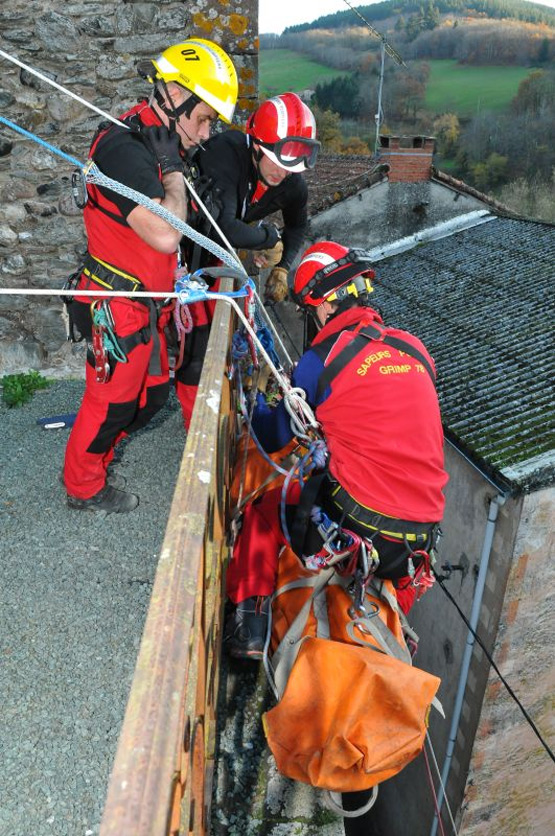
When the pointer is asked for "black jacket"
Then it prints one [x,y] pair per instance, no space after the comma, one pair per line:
[227,161]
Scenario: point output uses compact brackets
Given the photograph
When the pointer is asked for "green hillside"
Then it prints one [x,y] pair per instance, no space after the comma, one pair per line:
[495,9]
[465,90]
[452,87]
[283,69]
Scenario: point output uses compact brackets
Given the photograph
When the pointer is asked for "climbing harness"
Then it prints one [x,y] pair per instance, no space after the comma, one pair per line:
[359,344]
[89,173]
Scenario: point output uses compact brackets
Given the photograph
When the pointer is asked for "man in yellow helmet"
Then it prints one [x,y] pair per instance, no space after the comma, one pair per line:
[130,249]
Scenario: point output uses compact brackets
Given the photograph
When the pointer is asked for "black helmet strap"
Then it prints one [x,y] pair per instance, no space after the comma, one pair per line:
[324,282]
[173,113]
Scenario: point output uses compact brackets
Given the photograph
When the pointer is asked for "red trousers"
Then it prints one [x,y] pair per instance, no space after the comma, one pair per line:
[110,411]
[253,568]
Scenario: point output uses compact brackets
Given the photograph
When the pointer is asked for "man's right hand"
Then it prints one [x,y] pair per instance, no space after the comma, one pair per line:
[165,145]
[268,258]
[272,234]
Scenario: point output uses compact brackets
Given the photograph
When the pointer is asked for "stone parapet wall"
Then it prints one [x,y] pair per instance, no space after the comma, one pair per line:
[510,786]
[92,49]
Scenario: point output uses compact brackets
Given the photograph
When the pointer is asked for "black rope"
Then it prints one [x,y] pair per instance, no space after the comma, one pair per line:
[496,669]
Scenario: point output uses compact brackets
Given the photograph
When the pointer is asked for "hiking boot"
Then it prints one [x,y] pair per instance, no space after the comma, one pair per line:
[246,628]
[109,499]
[116,480]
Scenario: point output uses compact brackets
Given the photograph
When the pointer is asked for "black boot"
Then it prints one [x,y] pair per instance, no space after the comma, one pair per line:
[116,480]
[246,628]
[109,499]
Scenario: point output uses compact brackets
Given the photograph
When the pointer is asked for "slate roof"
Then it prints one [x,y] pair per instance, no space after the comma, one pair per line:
[482,301]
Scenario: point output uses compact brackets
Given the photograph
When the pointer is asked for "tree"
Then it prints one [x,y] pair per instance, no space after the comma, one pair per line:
[447,130]
[431,17]
[492,172]
[355,145]
[533,198]
[328,129]
[536,94]
[543,52]
[412,28]
[340,95]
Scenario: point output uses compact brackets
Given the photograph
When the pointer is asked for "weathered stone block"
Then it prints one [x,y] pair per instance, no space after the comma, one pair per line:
[7,236]
[57,32]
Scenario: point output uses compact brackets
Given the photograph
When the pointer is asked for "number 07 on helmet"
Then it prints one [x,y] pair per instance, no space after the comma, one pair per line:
[202,67]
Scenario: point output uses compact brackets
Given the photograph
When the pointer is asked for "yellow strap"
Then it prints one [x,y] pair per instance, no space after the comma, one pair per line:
[112,269]
[396,534]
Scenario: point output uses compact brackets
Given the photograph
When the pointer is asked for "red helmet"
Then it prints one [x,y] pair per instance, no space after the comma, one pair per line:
[285,129]
[329,272]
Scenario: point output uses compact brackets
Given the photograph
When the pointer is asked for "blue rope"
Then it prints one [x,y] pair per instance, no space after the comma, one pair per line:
[40,141]
[264,334]
[95,176]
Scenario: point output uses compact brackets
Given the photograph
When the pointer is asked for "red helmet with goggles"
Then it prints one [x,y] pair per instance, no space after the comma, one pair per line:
[330,272]
[285,129]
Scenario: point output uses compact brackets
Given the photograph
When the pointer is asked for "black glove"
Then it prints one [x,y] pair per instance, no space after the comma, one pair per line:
[272,235]
[165,147]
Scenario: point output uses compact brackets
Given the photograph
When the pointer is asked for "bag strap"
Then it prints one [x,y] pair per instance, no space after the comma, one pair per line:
[360,343]
[382,634]
[287,651]
[334,805]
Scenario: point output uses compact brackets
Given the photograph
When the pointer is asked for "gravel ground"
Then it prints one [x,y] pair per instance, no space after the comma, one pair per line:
[73,598]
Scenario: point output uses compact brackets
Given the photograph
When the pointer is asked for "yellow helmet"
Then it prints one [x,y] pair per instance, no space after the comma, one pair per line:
[205,69]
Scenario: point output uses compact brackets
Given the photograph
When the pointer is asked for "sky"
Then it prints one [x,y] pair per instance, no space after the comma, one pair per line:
[275,15]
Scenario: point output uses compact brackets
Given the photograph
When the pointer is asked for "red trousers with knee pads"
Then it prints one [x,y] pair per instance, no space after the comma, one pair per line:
[125,403]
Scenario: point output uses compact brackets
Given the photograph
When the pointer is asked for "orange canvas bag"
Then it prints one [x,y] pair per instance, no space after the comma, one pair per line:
[352,710]
[252,474]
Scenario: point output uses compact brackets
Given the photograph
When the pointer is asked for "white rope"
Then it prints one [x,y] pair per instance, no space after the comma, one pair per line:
[445,799]
[95,176]
[42,291]
[261,307]
[295,396]
[298,409]
[59,87]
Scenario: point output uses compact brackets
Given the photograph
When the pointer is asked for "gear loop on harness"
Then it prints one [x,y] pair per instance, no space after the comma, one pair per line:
[102,319]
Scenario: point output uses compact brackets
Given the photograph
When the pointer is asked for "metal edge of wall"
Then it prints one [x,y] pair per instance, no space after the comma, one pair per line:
[165,753]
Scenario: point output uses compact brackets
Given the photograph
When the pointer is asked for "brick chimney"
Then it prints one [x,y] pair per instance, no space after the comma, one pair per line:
[409,157]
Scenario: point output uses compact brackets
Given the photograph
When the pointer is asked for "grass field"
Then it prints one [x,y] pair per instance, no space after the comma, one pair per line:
[452,87]
[283,69]
[457,88]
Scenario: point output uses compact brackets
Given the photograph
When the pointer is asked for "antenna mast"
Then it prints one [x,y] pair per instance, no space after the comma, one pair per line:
[379,111]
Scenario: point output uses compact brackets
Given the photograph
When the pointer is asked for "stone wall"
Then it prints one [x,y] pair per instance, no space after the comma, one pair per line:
[510,786]
[92,49]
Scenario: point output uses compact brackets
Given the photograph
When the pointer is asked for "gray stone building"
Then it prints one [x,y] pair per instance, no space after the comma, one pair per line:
[90,48]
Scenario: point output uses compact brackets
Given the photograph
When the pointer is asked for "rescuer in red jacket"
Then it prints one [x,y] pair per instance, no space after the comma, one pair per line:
[130,249]
[373,391]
